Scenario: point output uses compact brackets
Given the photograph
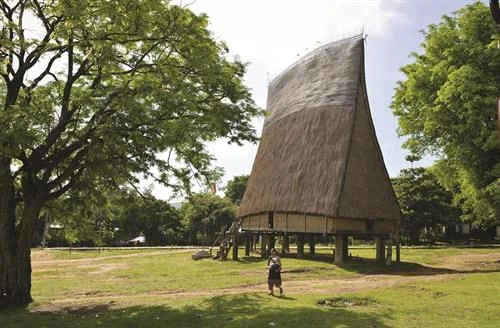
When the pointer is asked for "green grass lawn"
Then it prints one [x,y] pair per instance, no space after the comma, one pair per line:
[443,287]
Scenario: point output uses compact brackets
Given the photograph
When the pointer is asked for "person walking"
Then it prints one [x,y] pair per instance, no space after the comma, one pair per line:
[274,269]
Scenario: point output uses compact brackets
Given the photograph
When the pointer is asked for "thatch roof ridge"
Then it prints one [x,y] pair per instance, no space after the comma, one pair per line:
[313,53]
[326,76]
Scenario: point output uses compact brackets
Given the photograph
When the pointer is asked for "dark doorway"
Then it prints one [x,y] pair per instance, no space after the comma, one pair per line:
[369,225]
[270,222]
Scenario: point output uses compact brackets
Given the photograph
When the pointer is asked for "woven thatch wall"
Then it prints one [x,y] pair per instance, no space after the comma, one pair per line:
[367,191]
[318,153]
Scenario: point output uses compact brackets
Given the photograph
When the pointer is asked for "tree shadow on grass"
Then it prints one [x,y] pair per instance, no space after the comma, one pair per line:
[250,259]
[371,267]
[246,310]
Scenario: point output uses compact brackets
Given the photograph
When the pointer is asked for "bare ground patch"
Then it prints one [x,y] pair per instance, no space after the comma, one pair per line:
[99,268]
[470,262]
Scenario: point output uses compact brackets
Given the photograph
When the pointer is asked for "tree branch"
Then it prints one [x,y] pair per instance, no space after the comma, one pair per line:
[45,72]
[41,15]
[21,32]
[35,55]
[6,9]
[136,189]
[65,188]
[68,172]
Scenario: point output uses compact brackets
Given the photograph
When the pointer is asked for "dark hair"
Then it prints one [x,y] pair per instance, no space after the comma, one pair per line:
[274,250]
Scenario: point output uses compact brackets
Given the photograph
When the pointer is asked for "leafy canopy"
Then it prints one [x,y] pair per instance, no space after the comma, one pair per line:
[235,188]
[98,89]
[424,203]
[204,215]
[446,105]
[155,219]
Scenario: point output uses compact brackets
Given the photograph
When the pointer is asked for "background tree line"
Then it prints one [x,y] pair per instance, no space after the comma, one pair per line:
[110,217]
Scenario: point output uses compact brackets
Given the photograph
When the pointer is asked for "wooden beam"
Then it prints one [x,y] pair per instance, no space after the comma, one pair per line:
[339,248]
[300,246]
[285,245]
[388,259]
[380,249]
[271,242]
[345,249]
[398,253]
[236,237]
[263,245]
[247,244]
[312,245]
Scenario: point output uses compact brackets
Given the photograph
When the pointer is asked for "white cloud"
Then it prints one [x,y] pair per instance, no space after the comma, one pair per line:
[271,35]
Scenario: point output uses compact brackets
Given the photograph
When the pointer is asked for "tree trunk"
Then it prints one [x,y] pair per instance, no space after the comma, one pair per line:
[15,242]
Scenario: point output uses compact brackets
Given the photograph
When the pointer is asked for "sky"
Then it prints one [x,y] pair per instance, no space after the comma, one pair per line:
[270,35]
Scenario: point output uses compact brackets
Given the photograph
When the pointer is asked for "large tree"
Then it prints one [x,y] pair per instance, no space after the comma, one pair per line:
[155,219]
[236,187]
[446,105]
[84,216]
[425,203]
[204,215]
[102,91]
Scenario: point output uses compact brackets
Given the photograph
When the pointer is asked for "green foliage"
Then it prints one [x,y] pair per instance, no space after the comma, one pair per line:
[446,106]
[85,216]
[155,219]
[424,203]
[109,89]
[204,215]
[236,188]
[104,217]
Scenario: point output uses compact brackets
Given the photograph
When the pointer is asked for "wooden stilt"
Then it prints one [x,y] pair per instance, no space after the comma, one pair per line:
[312,245]
[300,246]
[397,241]
[236,237]
[284,247]
[272,242]
[380,249]
[388,258]
[398,254]
[345,249]
[248,245]
[339,248]
[263,246]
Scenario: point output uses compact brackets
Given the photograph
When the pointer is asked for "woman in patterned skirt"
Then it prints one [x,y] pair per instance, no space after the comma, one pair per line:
[274,268]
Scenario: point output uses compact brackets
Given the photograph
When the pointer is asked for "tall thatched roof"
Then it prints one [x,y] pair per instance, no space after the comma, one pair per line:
[318,152]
